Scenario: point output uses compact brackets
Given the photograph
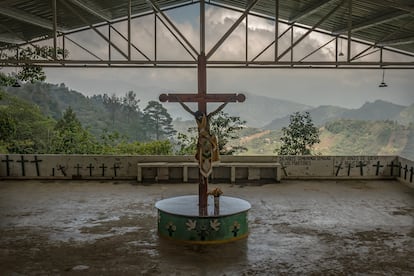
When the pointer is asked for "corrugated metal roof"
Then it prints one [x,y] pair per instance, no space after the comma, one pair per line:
[386,22]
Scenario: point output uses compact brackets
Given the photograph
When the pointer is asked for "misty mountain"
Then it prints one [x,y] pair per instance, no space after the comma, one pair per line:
[258,111]
[375,111]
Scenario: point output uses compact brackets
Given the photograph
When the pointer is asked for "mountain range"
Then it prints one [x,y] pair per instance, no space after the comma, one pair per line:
[378,110]
[258,111]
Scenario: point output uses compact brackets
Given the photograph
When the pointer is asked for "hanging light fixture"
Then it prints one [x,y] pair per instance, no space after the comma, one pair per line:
[383,84]
[341,54]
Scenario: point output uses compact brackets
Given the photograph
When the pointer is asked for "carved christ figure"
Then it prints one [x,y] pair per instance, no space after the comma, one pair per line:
[207,145]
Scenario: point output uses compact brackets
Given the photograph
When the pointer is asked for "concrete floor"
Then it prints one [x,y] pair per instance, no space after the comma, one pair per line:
[297,228]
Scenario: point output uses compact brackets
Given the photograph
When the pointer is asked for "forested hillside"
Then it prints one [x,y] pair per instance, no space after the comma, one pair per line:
[99,113]
[346,137]
[29,115]
[26,127]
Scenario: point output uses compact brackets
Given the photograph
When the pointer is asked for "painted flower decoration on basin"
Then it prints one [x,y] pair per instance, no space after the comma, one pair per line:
[216,192]
[215,225]
[171,226]
[236,228]
[191,224]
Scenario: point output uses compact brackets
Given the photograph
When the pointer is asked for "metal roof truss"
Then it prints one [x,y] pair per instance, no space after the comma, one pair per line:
[56,31]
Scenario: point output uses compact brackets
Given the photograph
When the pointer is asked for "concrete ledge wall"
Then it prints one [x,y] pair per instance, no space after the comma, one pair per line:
[125,167]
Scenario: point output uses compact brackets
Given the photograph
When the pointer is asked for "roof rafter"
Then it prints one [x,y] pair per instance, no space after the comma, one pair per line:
[376,20]
[309,10]
[28,18]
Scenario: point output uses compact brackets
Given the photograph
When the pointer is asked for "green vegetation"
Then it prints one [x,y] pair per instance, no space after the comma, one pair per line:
[363,137]
[48,118]
[225,127]
[345,137]
[25,129]
[157,121]
[40,128]
[29,72]
[300,136]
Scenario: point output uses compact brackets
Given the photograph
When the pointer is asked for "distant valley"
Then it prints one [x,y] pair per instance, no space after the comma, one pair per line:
[377,127]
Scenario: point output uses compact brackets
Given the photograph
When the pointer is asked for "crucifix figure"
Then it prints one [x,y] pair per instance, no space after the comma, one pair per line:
[207,147]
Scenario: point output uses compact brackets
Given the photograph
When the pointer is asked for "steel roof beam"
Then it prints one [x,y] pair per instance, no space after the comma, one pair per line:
[210,64]
[376,20]
[92,10]
[315,7]
[28,18]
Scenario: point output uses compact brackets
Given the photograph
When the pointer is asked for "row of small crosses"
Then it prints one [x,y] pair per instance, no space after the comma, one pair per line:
[60,168]
[115,168]
[378,165]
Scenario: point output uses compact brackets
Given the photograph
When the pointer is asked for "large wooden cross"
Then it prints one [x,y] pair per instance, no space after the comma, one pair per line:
[202,98]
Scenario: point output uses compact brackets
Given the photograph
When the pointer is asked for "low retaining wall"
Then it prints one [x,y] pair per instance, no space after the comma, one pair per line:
[16,166]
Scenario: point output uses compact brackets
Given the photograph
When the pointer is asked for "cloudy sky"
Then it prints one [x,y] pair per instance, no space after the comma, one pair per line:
[347,88]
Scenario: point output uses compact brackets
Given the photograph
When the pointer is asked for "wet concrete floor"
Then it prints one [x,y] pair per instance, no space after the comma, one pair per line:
[296,228]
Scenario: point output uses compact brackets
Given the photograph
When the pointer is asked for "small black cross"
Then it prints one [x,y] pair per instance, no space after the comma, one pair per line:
[405,171]
[339,167]
[115,167]
[22,161]
[399,169]
[90,167]
[361,167]
[411,174]
[349,169]
[103,167]
[378,167]
[392,167]
[62,169]
[77,167]
[7,164]
[36,161]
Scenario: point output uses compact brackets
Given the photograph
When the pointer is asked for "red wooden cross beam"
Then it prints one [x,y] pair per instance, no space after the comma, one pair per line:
[202,99]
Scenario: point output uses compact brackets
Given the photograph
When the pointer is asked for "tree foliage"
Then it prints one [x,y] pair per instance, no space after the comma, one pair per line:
[24,129]
[299,137]
[29,72]
[225,127]
[70,137]
[158,122]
